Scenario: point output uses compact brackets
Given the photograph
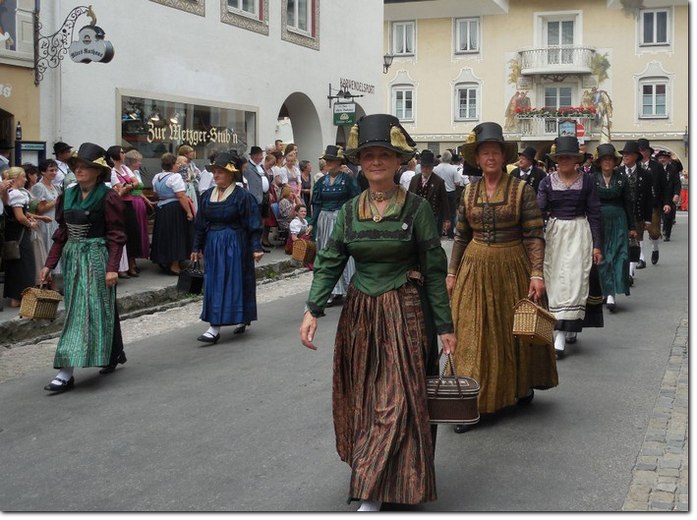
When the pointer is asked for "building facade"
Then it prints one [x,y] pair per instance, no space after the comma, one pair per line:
[214,74]
[605,71]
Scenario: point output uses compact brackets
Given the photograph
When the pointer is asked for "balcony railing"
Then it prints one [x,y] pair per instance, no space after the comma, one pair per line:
[534,127]
[557,59]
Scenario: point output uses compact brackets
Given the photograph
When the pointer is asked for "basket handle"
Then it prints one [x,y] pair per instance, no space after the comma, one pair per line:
[448,363]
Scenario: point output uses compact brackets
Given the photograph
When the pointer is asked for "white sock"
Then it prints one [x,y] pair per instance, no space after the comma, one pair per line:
[559,340]
[641,247]
[632,269]
[610,299]
[212,331]
[65,374]
[370,505]
[655,244]
[569,335]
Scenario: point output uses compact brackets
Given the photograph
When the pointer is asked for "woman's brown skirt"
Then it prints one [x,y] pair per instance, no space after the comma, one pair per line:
[379,396]
[490,281]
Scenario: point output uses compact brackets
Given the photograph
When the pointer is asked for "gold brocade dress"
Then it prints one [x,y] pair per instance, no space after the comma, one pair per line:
[499,244]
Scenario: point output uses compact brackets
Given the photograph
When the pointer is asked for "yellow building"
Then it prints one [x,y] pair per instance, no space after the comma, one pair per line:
[604,70]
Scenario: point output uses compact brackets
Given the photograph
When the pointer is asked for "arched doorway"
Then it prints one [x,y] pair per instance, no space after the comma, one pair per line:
[305,127]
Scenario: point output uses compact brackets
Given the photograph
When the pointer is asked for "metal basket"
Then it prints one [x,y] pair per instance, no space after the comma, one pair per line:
[533,323]
[39,303]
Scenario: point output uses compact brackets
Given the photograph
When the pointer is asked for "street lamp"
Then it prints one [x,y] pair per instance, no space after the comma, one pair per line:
[386,62]
[686,141]
[341,94]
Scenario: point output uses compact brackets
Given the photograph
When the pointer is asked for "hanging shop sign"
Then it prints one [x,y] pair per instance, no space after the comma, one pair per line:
[91,46]
[344,113]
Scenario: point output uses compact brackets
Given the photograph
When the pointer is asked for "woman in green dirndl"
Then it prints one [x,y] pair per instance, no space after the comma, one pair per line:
[89,241]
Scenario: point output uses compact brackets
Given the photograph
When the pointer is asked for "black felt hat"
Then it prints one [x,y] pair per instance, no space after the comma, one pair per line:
[662,153]
[606,150]
[60,146]
[645,144]
[427,158]
[380,130]
[631,147]
[567,145]
[487,133]
[94,155]
[5,145]
[227,161]
[333,153]
[529,152]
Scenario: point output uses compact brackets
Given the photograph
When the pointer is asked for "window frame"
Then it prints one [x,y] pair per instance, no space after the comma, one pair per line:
[477,103]
[654,81]
[291,34]
[243,12]
[468,20]
[669,27]
[406,24]
[243,19]
[403,88]
[197,7]
[297,9]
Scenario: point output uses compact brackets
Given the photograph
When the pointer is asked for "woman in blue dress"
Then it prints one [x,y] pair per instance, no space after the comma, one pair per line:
[228,236]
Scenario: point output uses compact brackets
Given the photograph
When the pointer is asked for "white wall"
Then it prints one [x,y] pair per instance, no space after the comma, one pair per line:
[166,52]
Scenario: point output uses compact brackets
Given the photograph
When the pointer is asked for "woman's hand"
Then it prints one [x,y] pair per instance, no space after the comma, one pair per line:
[309,230]
[43,218]
[307,330]
[449,342]
[449,284]
[257,255]
[196,256]
[536,290]
[112,278]
[189,216]
[45,275]
[597,256]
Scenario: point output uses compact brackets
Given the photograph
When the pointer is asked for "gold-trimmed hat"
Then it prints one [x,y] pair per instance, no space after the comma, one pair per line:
[488,132]
[92,154]
[333,153]
[380,130]
[226,161]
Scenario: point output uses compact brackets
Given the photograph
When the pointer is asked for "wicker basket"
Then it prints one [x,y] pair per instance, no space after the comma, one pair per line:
[533,323]
[304,251]
[39,303]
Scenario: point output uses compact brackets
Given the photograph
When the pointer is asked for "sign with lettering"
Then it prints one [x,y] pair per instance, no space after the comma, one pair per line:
[177,133]
[344,113]
[91,46]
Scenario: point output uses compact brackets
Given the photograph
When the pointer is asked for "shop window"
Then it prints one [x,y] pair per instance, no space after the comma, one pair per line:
[403,38]
[655,27]
[467,35]
[252,15]
[300,22]
[197,7]
[17,32]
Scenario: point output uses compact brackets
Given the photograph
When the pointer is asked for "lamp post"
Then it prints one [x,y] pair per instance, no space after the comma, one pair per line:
[386,62]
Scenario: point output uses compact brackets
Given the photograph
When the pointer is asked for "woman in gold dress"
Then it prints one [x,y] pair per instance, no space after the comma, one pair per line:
[497,260]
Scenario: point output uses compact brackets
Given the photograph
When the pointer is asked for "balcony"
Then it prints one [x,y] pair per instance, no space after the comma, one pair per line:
[534,128]
[556,60]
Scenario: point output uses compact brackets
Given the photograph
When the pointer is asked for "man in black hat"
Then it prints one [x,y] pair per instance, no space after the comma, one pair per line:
[257,182]
[671,171]
[661,197]
[527,170]
[640,182]
[432,188]
[64,175]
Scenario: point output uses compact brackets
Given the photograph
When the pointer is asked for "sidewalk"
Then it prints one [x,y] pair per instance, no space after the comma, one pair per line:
[153,290]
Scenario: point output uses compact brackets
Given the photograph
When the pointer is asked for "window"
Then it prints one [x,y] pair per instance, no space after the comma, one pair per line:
[403,103]
[300,23]
[654,27]
[654,98]
[299,15]
[559,34]
[557,97]
[467,35]
[244,6]
[246,14]
[403,37]
[466,102]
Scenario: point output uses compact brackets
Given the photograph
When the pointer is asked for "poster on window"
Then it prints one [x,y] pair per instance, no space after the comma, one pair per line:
[8,24]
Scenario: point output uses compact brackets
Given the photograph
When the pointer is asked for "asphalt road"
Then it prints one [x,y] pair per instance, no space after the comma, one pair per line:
[246,425]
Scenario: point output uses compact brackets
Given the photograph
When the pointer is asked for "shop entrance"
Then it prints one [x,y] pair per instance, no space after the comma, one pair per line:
[298,122]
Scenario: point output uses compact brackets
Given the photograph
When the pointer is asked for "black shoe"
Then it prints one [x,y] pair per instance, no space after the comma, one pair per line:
[65,385]
[526,399]
[611,308]
[330,301]
[570,339]
[462,428]
[631,281]
[559,353]
[240,329]
[666,238]
[209,339]
[265,250]
[654,257]
[111,367]
[641,264]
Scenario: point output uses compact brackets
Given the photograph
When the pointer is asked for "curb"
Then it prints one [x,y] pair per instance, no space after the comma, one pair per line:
[21,330]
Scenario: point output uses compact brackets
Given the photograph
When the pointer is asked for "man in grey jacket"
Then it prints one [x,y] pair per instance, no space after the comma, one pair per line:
[257,181]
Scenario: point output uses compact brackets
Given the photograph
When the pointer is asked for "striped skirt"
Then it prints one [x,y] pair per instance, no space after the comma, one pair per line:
[379,397]
[568,261]
[325,226]
[89,306]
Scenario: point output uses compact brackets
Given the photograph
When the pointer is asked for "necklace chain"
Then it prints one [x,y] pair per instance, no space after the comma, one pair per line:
[380,196]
